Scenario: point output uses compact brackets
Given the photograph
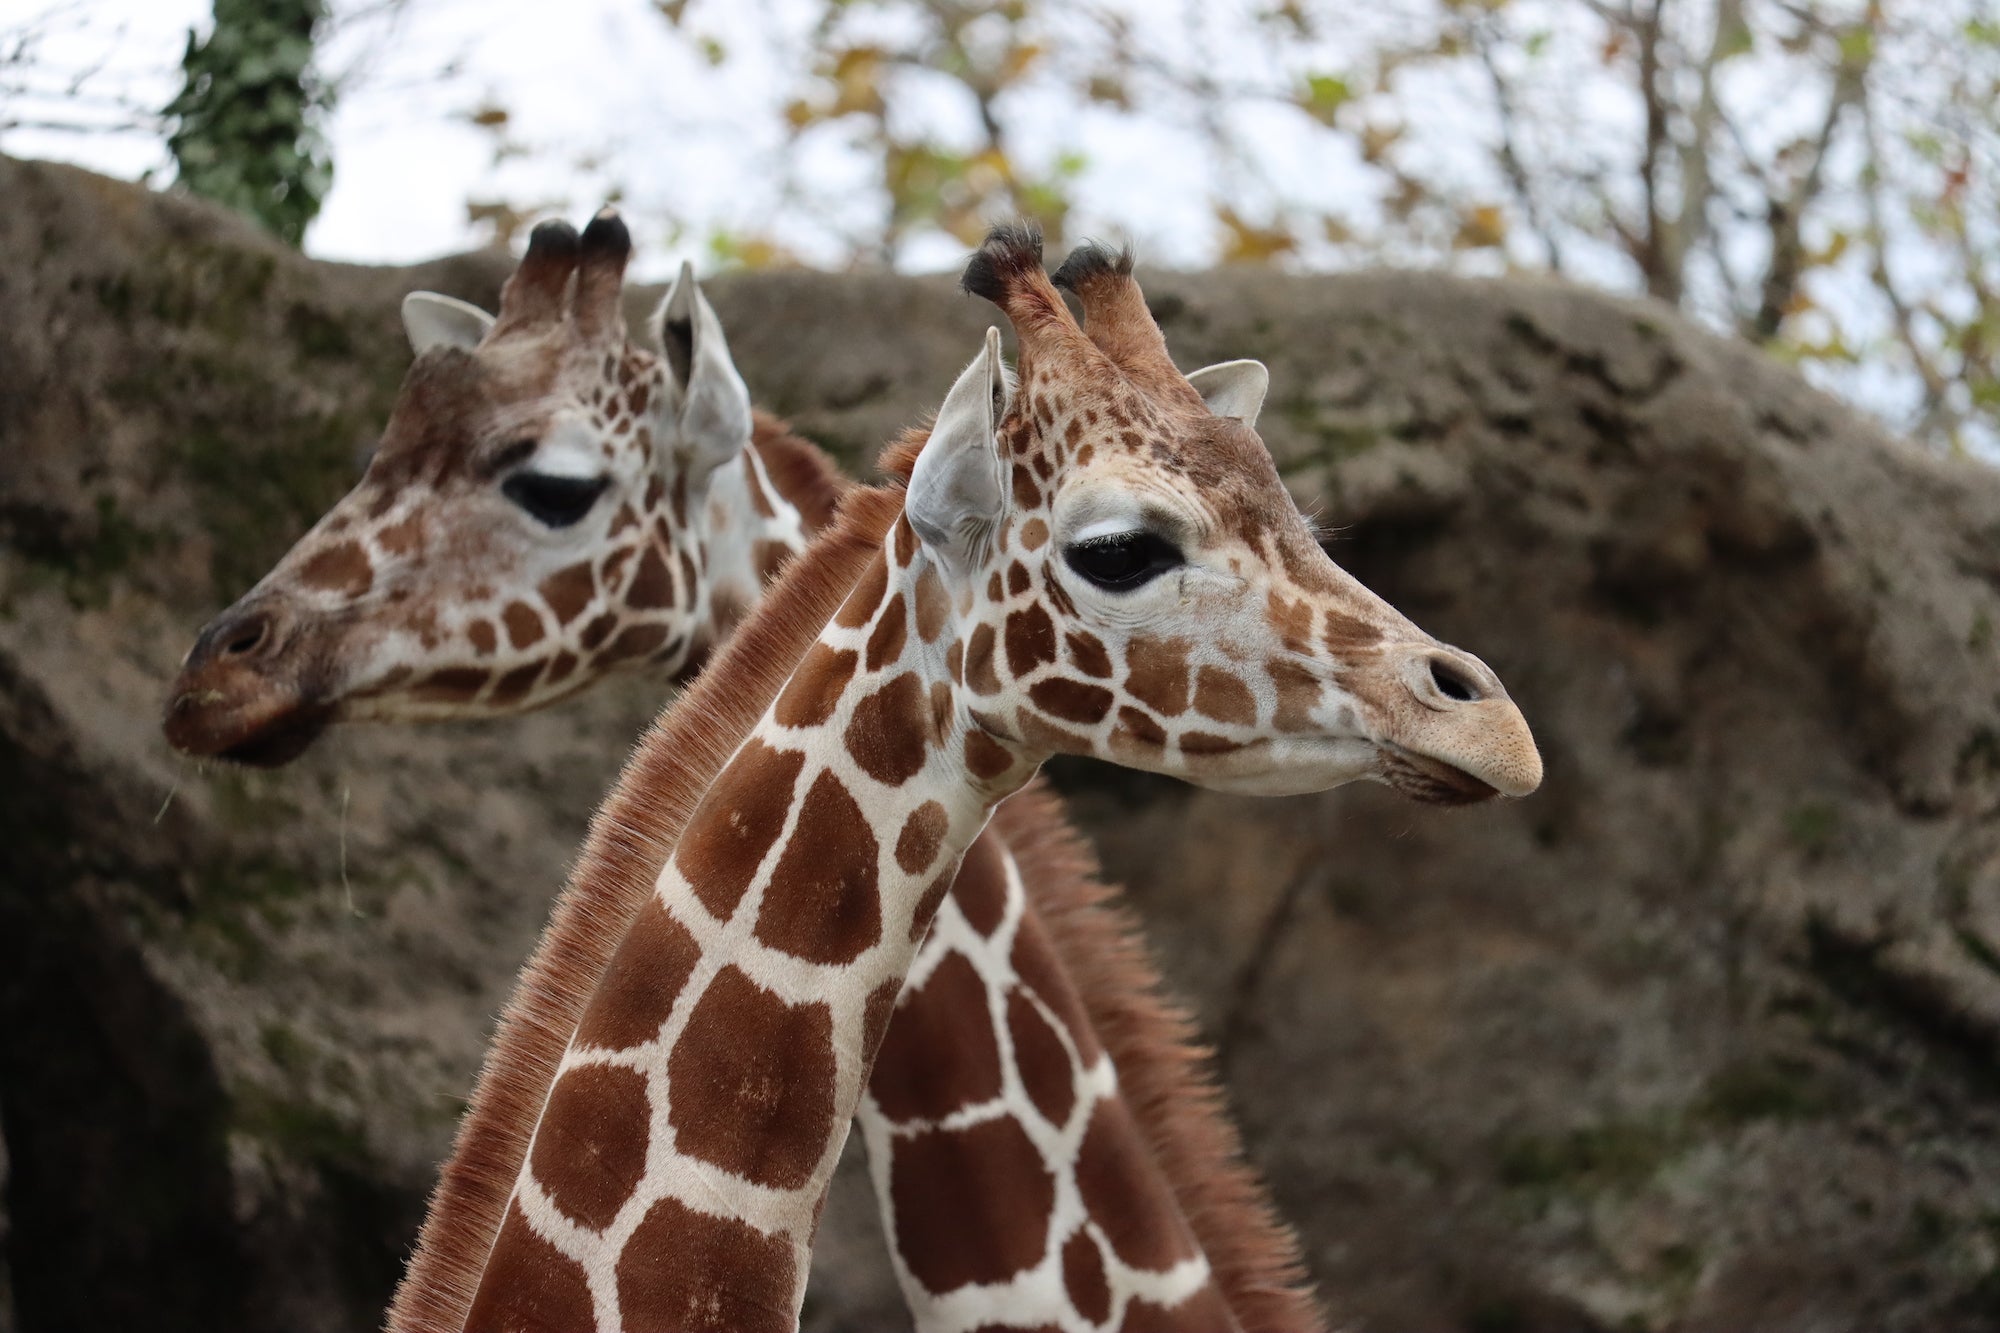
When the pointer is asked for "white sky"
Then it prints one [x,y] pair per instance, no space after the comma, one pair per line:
[604,92]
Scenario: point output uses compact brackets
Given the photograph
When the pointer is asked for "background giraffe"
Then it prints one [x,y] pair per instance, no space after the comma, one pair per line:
[999,1023]
[526,525]
[783,892]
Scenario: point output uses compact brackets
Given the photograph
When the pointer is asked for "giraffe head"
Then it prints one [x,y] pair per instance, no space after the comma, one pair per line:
[548,503]
[1123,574]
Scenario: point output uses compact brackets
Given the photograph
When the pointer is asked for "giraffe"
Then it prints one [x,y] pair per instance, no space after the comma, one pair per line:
[1192,1211]
[1086,561]
[549,503]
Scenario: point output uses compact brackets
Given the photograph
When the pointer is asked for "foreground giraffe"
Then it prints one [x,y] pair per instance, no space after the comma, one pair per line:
[1037,1029]
[1077,1251]
[1052,551]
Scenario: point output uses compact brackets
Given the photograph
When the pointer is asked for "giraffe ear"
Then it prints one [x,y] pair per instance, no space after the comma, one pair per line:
[956,491]
[1233,388]
[713,403]
[432,320]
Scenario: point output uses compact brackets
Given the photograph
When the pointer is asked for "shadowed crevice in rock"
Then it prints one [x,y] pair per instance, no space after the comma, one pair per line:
[118,1188]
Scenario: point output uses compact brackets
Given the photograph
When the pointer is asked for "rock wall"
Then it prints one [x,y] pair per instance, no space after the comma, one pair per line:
[1701,1036]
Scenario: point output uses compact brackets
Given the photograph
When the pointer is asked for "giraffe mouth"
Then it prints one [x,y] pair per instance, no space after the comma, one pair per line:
[266,733]
[1432,781]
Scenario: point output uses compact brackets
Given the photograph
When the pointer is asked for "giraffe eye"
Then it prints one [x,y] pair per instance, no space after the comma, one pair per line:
[1121,561]
[555,501]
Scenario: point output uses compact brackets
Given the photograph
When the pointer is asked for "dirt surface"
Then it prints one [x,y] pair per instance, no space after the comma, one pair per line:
[1704,1035]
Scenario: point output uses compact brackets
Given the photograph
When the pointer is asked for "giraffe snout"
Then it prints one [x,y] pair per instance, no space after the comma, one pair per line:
[240,695]
[1458,736]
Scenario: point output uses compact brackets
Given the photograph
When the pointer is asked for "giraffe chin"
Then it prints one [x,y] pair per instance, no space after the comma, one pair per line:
[268,734]
[1432,781]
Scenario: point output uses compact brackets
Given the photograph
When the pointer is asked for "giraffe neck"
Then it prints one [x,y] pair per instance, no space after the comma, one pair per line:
[1019,1190]
[682,1157]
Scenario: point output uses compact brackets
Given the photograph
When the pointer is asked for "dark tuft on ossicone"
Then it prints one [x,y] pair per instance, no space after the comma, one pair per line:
[1009,250]
[1093,259]
[606,235]
[552,239]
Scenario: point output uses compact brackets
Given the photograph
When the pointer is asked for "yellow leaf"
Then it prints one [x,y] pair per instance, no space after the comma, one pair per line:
[1245,242]
[1019,60]
[1483,228]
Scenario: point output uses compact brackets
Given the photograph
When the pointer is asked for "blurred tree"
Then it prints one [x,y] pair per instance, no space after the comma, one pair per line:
[1819,176]
[247,130]
[42,91]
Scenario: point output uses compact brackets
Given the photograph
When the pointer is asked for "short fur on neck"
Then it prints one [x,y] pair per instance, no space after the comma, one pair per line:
[1163,1071]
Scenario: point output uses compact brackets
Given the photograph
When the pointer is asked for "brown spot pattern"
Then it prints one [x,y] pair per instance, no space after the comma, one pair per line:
[971,1206]
[923,832]
[344,568]
[590,1144]
[981,887]
[1346,634]
[529,1286]
[1124,1194]
[816,686]
[567,591]
[933,1061]
[641,982]
[733,828]
[1034,532]
[1087,652]
[822,903]
[514,686]
[1084,1280]
[636,641]
[885,645]
[764,1070]
[404,537]
[888,733]
[598,630]
[986,757]
[932,603]
[653,583]
[685,1270]
[1158,674]
[483,638]
[1031,639]
[1072,700]
[523,622]
[1036,963]
[979,672]
[452,683]
[1042,1060]
[859,608]
[1221,695]
[1298,693]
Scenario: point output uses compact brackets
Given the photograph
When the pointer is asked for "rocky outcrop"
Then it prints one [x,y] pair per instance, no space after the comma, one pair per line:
[1704,1035]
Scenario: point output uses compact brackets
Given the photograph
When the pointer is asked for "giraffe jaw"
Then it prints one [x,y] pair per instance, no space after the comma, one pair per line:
[1432,781]
[266,732]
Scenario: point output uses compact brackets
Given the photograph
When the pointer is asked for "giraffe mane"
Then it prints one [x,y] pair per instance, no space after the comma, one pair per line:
[630,838]
[800,469]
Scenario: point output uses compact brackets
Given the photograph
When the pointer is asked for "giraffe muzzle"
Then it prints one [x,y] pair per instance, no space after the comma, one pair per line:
[240,695]
[1456,738]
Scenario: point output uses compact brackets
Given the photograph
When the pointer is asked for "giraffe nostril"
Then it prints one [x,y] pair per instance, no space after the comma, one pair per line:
[248,638]
[1451,683]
